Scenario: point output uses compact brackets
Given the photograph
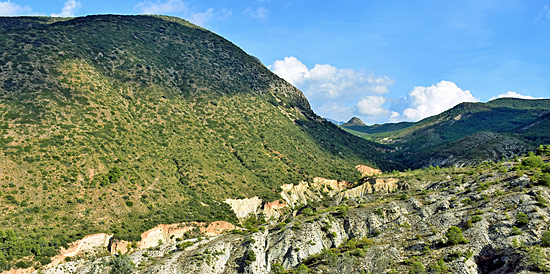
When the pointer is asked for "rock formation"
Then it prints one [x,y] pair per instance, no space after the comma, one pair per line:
[367,170]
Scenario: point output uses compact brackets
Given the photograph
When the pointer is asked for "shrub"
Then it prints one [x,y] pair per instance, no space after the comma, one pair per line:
[277,268]
[439,267]
[545,238]
[532,162]
[516,231]
[537,258]
[302,269]
[417,267]
[544,179]
[454,236]
[121,265]
[250,257]
[184,245]
[522,219]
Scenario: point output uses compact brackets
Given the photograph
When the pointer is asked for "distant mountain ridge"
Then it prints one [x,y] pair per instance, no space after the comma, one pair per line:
[496,129]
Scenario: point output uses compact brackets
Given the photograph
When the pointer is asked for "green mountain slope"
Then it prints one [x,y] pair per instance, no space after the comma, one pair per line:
[119,123]
[499,128]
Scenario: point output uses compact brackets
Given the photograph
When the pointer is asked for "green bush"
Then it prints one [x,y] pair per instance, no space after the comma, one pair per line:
[250,257]
[522,219]
[454,236]
[538,259]
[516,231]
[476,218]
[544,179]
[545,238]
[532,162]
[302,269]
[121,265]
[417,267]
[439,267]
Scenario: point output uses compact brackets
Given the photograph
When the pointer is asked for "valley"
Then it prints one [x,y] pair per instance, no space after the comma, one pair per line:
[147,144]
[465,134]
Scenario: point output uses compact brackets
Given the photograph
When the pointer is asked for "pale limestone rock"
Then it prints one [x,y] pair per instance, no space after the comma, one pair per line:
[244,208]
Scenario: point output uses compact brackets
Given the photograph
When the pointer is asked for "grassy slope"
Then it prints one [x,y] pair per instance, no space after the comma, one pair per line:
[188,118]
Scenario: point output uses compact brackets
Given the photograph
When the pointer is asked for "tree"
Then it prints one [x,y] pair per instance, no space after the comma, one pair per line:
[454,236]
[122,265]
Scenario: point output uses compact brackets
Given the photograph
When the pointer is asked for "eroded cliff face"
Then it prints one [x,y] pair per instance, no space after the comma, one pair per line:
[169,234]
[292,196]
[367,170]
[377,185]
[372,231]
[99,244]
[244,208]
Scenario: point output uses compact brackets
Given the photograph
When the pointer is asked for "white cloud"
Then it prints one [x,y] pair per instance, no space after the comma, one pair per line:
[544,15]
[181,8]
[159,7]
[342,93]
[432,100]
[328,81]
[372,105]
[395,117]
[290,69]
[201,18]
[258,13]
[336,93]
[513,94]
[68,9]
[8,8]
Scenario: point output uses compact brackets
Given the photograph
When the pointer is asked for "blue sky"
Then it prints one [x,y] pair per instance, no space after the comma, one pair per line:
[378,60]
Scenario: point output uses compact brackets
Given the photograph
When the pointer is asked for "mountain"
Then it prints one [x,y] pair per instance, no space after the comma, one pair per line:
[117,124]
[467,133]
[486,218]
[354,121]
[334,121]
[377,128]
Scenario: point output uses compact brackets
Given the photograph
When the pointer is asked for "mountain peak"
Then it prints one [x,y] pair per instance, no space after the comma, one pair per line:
[355,121]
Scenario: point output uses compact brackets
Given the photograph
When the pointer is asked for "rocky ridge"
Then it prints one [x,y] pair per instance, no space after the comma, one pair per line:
[501,214]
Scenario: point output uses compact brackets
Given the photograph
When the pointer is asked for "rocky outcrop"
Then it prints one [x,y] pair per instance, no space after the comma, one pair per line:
[394,228]
[329,187]
[274,209]
[216,228]
[165,234]
[89,245]
[297,194]
[367,170]
[244,208]
[303,192]
[319,189]
[378,185]
[169,234]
